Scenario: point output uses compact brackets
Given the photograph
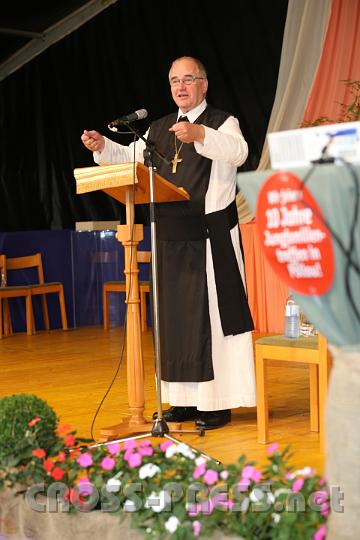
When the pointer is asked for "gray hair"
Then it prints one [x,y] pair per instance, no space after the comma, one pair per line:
[200,66]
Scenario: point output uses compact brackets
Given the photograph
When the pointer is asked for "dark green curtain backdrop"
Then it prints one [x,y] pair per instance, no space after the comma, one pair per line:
[111,66]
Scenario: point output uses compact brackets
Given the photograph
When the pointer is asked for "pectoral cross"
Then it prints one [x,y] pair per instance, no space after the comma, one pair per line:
[175,161]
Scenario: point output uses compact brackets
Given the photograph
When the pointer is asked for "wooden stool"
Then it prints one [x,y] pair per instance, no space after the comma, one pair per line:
[310,350]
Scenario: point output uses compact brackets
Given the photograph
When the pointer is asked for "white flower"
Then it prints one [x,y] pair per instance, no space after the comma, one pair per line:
[148,530]
[256,495]
[171,450]
[200,460]
[270,498]
[172,524]
[148,471]
[306,471]
[158,501]
[189,454]
[186,451]
[276,517]
[113,485]
[224,475]
[129,506]
[181,448]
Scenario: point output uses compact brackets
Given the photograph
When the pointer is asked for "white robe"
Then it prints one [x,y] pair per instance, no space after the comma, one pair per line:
[233,360]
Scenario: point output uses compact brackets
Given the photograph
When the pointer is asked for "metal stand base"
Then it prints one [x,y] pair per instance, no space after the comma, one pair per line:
[161,429]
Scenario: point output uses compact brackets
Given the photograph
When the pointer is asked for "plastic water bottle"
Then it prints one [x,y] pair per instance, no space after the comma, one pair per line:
[292,319]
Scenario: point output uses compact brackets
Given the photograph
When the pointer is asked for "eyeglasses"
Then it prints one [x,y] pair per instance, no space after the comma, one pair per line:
[188,79]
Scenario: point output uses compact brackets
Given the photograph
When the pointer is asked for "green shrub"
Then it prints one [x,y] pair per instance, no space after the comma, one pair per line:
[17,440]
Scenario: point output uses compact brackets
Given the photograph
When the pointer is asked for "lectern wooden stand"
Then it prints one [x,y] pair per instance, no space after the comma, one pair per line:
[129,184]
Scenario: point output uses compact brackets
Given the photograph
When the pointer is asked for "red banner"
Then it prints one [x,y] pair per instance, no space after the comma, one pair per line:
[292,231]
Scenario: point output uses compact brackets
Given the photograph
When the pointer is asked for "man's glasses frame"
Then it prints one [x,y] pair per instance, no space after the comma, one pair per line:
[188,79]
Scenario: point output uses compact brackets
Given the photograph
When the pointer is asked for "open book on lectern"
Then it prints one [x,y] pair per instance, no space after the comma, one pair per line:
[116,180]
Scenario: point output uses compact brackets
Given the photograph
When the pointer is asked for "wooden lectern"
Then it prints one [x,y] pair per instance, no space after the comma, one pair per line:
[129,184]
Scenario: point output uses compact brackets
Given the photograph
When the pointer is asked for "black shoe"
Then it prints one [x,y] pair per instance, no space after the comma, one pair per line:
[179,414]
[213,419]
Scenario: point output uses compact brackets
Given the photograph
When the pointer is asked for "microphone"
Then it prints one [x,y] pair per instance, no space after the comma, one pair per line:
[137,115]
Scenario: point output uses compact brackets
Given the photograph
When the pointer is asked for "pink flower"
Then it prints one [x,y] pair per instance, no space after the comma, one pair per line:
[146,450]
[247,471]
[230,504]
[243,484]
[220,500]
[145,442]
[108,463]
[196,528]
[210,477]
[206,507]
[83,480]
[250,473]
[85,487]
[34,421]
[325,509]
[320,533]
[129,445]
[256,475]
[199,470]
[85,460]
[297,485]
[114,448]
[321,497]
[134,460]
[165,445]
[127,454]
[271,449]
[193,509]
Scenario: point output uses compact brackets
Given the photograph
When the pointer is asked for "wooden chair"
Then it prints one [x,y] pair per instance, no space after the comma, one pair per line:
[310,350]
[7,292]
[41,287]
[120,287]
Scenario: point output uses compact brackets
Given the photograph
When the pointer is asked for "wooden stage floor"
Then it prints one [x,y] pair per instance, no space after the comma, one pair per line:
[72,371]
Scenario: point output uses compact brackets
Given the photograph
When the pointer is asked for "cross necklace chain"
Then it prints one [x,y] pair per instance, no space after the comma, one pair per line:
[176,159]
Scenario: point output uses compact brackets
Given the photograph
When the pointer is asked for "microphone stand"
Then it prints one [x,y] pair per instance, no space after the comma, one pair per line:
[160,427]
